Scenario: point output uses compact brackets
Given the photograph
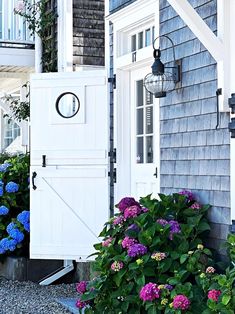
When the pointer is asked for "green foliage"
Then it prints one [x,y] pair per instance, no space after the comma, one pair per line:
[20,109]
[183,258]
[40,20]
[17,171]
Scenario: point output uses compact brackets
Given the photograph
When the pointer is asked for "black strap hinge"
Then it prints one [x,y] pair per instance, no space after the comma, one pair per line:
[112,80]
[113,175]
[113,155]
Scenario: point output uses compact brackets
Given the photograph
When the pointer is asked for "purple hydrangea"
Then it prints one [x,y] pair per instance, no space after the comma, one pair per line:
[128,242]
[188,194]
[126,202]
[4,210]
[81,287]
[168,287]
[174,228]
[131,212]
[137,250]
[150,292]
[181,302]
[118,220]
[12,187]
[162,222]
[133,227]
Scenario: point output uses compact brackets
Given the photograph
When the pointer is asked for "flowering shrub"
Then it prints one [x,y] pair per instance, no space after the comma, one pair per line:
[220,288]
[14,205]
[151,258]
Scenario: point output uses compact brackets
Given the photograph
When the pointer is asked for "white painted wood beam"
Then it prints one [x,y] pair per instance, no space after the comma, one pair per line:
[199,28]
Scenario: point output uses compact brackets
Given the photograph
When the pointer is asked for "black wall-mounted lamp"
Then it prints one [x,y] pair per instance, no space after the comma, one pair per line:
[231,125]
[159,82]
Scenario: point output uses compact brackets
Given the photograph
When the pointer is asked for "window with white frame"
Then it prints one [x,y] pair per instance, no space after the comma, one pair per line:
[144,124]
[143,38]
[11,131]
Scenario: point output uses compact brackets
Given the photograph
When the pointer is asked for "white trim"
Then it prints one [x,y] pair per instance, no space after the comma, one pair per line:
[199,28]
[65,36]
[217,46]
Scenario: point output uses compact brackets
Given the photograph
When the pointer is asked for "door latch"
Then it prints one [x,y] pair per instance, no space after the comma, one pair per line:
[156,174]
[43,160]
[34,174]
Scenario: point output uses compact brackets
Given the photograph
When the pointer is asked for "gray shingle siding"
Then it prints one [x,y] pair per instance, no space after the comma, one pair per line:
[115,5]
[88,32]
[194,155]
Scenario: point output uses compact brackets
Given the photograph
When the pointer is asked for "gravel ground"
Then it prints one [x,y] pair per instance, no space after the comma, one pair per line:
[30,298]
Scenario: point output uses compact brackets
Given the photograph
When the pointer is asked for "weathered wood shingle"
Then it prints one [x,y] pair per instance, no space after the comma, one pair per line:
[88,32]
[194,155]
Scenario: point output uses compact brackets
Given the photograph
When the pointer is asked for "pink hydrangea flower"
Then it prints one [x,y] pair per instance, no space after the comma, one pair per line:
[80,304]
[118,220]
[81,287]
[181,302]
[214,295]
[107,242]
[195,206]
[210,270]
[20,7]
[126,202]
[116,266]
[131,212]
[127,242]
[150,292]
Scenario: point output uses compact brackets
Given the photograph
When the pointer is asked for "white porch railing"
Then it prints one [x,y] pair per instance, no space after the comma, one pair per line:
[12,26]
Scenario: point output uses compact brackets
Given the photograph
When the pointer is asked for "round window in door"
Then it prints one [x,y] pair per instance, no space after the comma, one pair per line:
[67,105]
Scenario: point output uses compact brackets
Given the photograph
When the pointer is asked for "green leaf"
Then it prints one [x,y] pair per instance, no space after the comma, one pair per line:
[203,226]
[226,298]
[141,280]
[117,278]
[183,258]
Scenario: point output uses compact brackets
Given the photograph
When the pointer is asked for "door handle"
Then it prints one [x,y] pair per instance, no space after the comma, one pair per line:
[155,174]
[33,177]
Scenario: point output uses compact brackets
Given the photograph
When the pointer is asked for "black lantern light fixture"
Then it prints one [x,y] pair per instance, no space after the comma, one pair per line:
[159,82]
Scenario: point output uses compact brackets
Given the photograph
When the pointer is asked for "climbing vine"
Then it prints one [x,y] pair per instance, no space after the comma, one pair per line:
[41,20]
[20,110]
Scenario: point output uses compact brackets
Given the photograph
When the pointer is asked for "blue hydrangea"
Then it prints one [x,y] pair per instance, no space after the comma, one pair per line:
[12,187]
[7,244]
[27,226]
[1,191]
[17,235]
[23,217]
[3,167]
[2,251]
[12,245]
[1,183]
[4,244]
[10,227]
[4,210]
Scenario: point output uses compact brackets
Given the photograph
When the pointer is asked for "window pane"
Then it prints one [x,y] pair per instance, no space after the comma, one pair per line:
[133,43]
[140,120]
[149,149]
[147,37]
[148,98]
[140,150]
[149,120]
[139,93]
[140,40]
[153,33]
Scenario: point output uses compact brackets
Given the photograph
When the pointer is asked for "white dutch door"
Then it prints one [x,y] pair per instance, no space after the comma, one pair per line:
[69,163]
[144,138]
